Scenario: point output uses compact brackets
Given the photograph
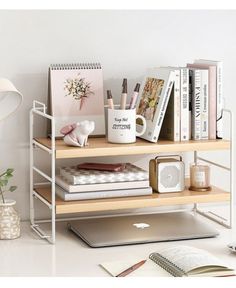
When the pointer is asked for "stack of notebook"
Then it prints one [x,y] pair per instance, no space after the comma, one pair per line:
[74,183]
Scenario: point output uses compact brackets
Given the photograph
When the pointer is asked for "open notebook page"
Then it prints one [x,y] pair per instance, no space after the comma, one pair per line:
[149,269]
[189,258]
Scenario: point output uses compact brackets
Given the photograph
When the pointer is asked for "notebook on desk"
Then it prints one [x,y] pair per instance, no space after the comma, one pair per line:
[137,229]
[177,261]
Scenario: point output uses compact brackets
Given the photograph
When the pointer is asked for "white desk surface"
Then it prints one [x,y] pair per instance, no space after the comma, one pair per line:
[31,256]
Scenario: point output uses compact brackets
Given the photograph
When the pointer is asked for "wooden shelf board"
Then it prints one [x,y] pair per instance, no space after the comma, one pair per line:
[156,199]
[100,147]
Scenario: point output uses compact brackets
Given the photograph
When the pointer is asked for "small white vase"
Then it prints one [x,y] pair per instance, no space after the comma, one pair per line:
[9,220]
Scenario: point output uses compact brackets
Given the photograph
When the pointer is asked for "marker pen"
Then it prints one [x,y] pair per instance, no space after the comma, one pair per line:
[123,95]
[134,97]
[110,100]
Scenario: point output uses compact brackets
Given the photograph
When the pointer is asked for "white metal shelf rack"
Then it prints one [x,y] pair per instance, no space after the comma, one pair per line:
[98,148]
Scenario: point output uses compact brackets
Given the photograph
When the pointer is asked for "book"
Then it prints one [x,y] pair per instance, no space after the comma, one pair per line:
[196,103]
[73,90]
[170,129]
[76,176]
[184,104]
[102,166]
[204,104]
[212,96]
[177,261]
[199,100]
[219,93]
[102,194]
[66,185]
[153,100]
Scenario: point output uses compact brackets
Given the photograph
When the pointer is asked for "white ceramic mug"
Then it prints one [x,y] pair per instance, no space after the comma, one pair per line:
[122,125]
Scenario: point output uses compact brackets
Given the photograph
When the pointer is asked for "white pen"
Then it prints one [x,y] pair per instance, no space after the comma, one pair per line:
[134,97]
[123,95]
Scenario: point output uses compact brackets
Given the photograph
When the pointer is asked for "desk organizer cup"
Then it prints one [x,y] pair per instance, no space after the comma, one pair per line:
[122,125]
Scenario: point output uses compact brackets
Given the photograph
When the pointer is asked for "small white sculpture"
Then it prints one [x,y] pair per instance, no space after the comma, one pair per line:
[77,134]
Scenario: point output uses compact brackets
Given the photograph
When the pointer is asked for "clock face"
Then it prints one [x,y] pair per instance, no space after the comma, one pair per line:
[170,176]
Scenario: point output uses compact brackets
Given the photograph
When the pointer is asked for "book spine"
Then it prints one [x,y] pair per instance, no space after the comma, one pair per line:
[196,105]
[60,181]
[98,178]
[190,101]
[102,194]
[177,106]
[219,91]
[212,103]
[163,108]
[184,100]
[204,104]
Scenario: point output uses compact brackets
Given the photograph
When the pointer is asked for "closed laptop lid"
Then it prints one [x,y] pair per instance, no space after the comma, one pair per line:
[137,229]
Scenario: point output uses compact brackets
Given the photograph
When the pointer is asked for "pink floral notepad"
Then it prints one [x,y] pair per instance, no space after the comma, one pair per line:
[76,94]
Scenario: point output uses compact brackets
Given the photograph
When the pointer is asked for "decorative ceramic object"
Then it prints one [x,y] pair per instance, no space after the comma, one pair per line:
[9,220]
[77,134]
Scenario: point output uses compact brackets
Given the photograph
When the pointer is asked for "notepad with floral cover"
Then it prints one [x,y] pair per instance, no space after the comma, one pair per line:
[76,94]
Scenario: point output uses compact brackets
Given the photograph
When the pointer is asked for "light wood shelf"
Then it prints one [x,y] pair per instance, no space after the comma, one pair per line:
[101,147]
[154,200]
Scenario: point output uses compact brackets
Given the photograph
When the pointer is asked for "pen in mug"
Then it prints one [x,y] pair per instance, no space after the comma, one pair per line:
[134,97]
[131,269]
[110,100]
[123,95]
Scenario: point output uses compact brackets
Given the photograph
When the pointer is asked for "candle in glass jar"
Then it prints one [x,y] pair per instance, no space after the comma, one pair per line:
[199,177]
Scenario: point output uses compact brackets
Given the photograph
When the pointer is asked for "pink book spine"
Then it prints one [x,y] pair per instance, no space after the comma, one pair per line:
[212,102]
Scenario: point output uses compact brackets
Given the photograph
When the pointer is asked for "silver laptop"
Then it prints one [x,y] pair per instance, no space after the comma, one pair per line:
[137,229]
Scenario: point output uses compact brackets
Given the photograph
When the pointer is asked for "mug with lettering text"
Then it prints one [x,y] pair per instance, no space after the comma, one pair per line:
[122,125]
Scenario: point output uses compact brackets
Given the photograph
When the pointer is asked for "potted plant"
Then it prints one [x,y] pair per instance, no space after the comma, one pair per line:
[9,219]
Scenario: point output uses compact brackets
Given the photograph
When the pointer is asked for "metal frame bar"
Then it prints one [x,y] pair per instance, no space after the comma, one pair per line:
[211,215]
[36,195]
[40,109]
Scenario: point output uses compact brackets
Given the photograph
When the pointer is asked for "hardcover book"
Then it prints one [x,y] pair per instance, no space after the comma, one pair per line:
[199,103]
[77,176]
[211,98]
[196,103]
[102,194]
[184,104]
[219,93]
[153,100]
[170,129]
[66,185]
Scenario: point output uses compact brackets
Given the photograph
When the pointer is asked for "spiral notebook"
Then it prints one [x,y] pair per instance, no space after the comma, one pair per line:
[76,94]
[177,261]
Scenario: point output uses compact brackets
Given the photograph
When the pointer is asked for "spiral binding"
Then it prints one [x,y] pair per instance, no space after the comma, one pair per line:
[72,66]
[167,265]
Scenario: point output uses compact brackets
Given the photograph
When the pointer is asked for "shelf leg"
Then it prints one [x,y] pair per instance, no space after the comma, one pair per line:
[32,215]
[53,211]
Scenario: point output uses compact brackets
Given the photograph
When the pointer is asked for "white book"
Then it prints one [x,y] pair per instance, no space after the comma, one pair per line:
[196,104]
[219,93]
[78,176]
[170,129]
[204,104]
[65,184]
[184,104]
[102,194]
[153,100]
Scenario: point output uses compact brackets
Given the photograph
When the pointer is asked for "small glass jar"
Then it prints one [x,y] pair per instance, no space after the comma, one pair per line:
[199,177]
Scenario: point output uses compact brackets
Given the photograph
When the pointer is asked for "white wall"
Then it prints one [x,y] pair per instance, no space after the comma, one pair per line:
[125,42]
